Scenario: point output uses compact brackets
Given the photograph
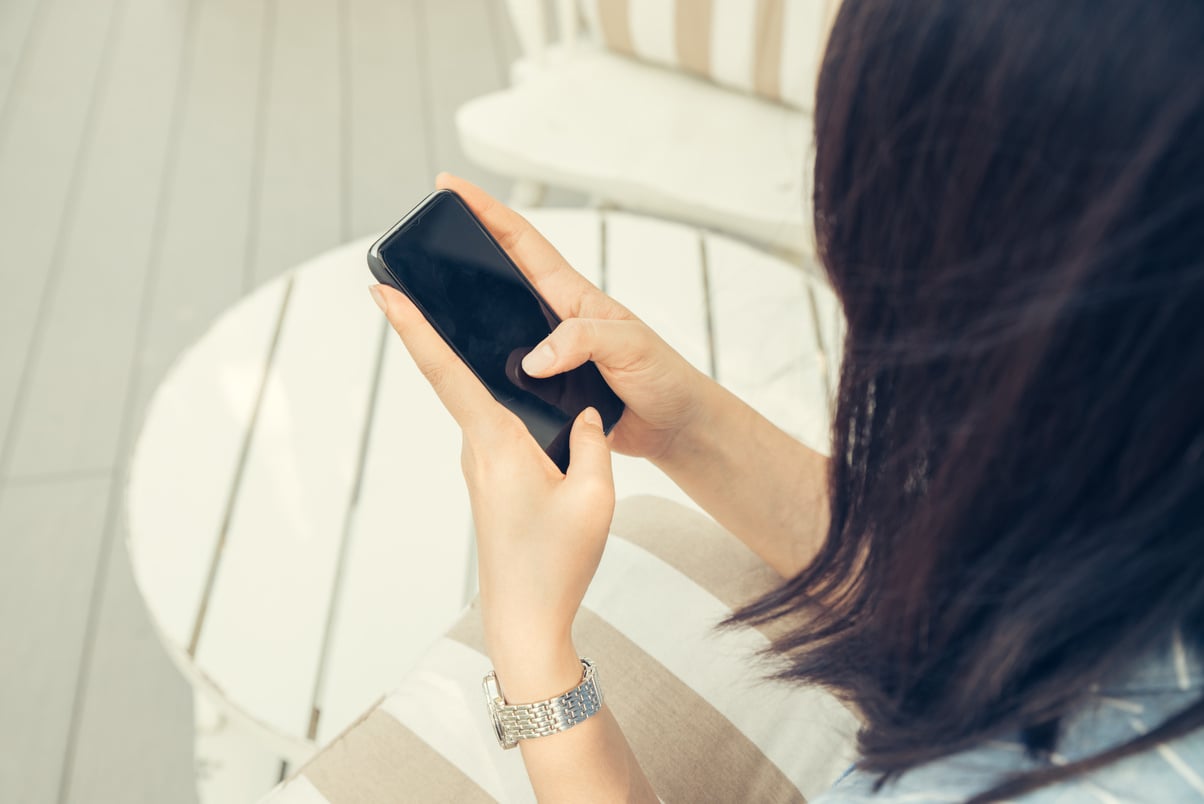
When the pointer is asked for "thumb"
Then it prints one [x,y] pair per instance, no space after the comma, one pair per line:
[614,344]
[589,453]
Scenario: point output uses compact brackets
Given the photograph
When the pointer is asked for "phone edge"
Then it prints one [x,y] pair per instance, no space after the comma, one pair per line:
[380,271]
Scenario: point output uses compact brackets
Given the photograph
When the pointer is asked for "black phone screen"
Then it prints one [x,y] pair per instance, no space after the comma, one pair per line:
[445,260]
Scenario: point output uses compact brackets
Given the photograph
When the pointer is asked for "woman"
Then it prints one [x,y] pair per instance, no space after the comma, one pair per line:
[1001,569]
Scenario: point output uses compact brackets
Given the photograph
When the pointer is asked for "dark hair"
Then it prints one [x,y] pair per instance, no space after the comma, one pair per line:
[1009,201]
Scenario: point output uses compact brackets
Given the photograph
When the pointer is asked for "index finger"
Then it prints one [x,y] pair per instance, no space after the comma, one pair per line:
[569,293]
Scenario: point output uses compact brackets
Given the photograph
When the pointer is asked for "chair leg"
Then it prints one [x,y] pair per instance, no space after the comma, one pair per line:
[527,193]
[230,765]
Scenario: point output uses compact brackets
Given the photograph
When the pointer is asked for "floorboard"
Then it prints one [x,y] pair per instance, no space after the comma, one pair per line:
[17,18]
[196,266]
[506,48]
[207,217]
[300,198]
[102,255]
[50,534]
[48,115]
[461,62]
[134,740]
[389,158]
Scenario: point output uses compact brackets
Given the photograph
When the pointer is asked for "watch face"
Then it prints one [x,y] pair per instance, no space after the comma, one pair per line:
[493,699]
[497,728]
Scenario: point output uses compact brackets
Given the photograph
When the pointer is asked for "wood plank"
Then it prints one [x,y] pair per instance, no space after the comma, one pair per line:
[17,18]
[202,251]
[261,637]
[765,344]
[576,234]
[134,742]
[655,269]
[102,256]
[199,419]
[197,270]
[299,210]
[389,159]
[461,63]
[47,115]
[403,584]
[51,535]
[805,38]
[505,37]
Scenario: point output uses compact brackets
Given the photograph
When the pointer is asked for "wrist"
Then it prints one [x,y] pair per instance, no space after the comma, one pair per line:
[700,438]
[535,674]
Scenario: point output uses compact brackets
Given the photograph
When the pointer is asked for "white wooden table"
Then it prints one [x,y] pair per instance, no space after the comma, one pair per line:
[298,525]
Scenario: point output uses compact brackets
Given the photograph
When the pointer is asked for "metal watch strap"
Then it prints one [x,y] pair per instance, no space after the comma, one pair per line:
[514,722]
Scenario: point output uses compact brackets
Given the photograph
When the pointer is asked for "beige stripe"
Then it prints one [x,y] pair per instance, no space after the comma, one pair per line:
[767,49]
[698,548]
[615,18]
[689,751]
[379,761]
[692,29]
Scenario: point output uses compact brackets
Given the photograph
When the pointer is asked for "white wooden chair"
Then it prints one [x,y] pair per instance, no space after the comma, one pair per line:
[298,523]
[594,109]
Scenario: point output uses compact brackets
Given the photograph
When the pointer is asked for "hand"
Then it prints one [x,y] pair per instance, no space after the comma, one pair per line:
[662,391]
[540,534]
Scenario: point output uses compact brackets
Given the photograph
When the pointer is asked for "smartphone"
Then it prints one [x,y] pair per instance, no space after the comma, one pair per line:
[478,300]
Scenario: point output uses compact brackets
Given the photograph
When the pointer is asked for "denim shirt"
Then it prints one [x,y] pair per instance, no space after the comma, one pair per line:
[1160,686]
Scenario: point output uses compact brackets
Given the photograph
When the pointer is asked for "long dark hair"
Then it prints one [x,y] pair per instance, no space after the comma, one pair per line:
[1009,200]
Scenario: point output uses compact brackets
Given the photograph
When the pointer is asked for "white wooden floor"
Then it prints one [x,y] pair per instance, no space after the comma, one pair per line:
[158,159]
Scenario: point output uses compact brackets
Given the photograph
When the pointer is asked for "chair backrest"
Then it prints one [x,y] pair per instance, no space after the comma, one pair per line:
[770,48]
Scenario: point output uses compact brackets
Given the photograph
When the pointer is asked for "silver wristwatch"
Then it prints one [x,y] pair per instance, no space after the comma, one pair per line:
[514,722]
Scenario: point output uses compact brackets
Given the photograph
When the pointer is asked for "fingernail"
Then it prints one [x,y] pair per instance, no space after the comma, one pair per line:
[378,297]
[592,418]
[539,359]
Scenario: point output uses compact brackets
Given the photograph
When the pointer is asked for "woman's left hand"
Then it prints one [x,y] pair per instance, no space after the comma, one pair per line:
[540,534]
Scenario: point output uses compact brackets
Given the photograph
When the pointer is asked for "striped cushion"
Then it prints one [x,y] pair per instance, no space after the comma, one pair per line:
[700,720]
[771,48]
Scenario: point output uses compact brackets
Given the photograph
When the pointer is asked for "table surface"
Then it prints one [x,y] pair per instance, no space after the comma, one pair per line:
[298,525]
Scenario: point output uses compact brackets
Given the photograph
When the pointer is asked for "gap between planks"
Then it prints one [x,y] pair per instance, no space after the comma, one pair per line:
[239,469]
[66,219]
[116,487]
[348,529]
[267,51]
[32,29]
[343,12]
[425,88]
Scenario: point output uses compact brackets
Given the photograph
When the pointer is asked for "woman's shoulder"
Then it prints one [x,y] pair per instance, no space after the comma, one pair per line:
[1162,685]
[1170,772]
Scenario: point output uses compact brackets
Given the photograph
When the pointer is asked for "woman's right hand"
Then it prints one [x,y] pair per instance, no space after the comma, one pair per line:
[662,391]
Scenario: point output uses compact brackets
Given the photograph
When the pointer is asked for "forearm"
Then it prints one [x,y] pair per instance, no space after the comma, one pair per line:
[760,483]
[589,762]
